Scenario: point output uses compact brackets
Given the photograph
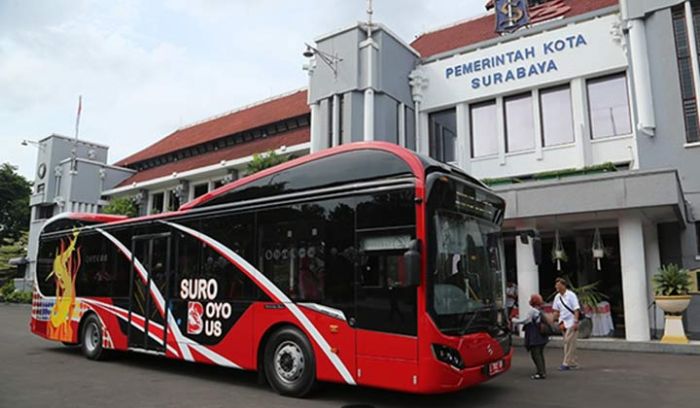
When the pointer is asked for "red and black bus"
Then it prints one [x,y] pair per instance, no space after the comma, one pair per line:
[366,264]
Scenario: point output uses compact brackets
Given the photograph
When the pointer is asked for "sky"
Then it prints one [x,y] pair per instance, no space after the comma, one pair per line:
[147,68]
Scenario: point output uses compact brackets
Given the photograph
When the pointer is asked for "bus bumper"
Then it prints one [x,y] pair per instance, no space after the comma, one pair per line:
[444,378]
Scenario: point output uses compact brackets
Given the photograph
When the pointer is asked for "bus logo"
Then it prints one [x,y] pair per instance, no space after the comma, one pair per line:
[195,310]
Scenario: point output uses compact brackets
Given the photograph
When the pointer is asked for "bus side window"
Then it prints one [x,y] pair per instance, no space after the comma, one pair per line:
[385,228]
[235,231]
[308,251]
[44,266]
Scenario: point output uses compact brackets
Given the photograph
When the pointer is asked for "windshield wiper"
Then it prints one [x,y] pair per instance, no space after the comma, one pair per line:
[473,318]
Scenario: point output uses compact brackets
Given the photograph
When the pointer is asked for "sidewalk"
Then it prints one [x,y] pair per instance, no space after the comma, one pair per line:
[612,344]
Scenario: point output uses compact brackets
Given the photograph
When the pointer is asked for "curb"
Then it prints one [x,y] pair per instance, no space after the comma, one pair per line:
[623,345]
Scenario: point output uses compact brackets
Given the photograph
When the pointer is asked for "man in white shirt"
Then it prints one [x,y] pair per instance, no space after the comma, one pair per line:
[567,313]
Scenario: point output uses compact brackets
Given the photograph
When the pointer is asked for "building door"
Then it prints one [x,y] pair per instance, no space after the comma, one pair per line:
[148,292]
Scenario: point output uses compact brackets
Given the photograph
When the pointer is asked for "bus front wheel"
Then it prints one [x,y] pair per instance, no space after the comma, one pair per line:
[91,338]
[290,366]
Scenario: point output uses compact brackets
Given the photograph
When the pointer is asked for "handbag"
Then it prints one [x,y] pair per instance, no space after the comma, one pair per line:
[544,326]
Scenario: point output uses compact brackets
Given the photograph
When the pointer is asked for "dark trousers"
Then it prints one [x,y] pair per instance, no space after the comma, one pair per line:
[537,354]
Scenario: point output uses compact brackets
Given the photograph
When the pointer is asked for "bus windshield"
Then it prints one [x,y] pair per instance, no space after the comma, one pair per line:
[466,281]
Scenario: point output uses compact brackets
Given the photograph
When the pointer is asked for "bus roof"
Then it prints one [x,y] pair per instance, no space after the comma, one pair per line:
[383,160]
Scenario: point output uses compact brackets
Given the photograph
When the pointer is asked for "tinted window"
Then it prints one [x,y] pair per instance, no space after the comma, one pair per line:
[685,72]
[103,270]
[328,171]
[44,266]
[308,251]
[443,135]
[386,225]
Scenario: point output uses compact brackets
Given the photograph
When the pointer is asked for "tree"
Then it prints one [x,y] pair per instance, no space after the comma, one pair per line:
[265,160]
[14,203]
[121,206]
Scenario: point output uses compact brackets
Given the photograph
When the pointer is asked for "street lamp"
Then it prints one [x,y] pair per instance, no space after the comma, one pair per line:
[26,142]
[329,59]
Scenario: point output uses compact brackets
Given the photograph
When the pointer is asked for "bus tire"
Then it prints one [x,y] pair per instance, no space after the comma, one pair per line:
[289,363]
[91,339]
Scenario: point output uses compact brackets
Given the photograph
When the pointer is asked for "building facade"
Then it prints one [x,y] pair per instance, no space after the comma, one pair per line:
[580,120]
[585,121]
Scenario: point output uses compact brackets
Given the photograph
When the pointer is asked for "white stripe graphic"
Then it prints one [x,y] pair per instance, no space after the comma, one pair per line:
[183,342]
[172,325]
[261,279]
[118,312]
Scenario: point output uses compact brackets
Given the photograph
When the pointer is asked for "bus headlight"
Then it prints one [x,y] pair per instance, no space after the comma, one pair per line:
[448,355]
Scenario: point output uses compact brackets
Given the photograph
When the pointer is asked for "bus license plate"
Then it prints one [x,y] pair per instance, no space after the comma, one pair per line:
[496,367]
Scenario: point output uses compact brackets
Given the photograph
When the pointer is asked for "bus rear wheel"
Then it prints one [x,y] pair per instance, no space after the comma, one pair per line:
[91,339]
[289,364]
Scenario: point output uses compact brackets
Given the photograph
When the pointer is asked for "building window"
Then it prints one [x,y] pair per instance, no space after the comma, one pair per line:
[608,106]
[200,189]
[685,74]
[443,135]
[556,115]
[330,121]
[173,200]
[409,121]
[44,212]
[157,202]
[483,129]
[341,107]
[520,123]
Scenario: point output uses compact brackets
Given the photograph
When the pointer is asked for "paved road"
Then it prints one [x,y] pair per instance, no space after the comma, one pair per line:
[35,373]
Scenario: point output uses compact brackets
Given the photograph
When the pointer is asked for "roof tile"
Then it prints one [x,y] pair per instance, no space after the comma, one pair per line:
[483,28]
[237,151]
[285,107]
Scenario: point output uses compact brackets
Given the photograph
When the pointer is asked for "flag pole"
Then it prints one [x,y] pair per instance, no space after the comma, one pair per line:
[74,152]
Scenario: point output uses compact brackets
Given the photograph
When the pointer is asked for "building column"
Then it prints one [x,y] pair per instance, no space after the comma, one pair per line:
[652,261]
[315,127]
[528,274]
[634,277]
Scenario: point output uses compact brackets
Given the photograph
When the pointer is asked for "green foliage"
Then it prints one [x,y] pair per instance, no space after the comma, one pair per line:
[9,294]
[556,174]
[671,280]
[589,295]
[264,161]
[121,206]
[13,249]
[14,203]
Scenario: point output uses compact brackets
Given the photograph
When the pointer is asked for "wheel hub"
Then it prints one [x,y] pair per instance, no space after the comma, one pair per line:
[289,361]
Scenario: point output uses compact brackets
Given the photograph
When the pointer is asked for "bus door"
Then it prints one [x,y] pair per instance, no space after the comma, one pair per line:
[386,316]
[147,329]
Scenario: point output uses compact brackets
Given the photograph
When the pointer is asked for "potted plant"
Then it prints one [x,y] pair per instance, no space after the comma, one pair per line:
[671,286]
[588,297]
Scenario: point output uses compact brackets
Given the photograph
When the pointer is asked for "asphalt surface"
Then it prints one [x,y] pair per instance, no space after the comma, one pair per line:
[39,373]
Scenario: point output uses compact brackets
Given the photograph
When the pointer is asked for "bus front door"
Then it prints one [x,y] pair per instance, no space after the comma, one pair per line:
[149,286]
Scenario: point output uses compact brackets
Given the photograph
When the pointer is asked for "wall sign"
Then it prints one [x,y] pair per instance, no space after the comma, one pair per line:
[572,51]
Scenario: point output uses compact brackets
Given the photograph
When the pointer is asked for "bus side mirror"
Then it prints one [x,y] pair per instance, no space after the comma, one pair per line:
[411,260]
[537,250]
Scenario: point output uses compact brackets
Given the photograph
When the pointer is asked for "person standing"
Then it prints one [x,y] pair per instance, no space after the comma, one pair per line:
[567,313]
[511,296]
[535,340]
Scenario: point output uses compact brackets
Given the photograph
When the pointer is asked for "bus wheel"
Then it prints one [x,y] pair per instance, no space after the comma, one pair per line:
[91,338]
[289,363]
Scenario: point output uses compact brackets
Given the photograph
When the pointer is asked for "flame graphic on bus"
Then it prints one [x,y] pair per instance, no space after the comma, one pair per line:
[65,268]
